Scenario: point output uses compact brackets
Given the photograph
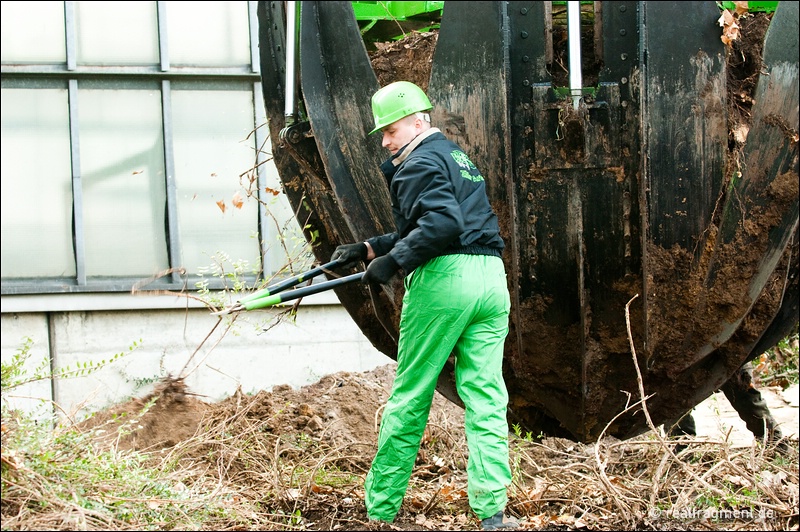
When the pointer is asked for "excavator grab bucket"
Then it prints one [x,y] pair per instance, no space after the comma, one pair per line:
[641,239]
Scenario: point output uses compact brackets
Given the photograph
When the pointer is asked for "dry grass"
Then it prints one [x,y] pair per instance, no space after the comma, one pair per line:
[277,461]
[641,484]
[246,468]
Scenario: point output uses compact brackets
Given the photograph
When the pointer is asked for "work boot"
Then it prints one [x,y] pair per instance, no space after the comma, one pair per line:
[499,522]
[784,448]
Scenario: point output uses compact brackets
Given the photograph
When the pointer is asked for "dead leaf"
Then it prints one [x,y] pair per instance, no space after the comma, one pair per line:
[737,480]
[770,480]
[237,200]
[417,502]
[742,7]
[221,205]
[450,493]
[565,519]
[730,29]
[616,480]
[725,19]
[535,492]
[539,521]
[272,191]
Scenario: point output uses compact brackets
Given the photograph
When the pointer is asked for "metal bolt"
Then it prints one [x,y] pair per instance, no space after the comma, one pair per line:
[524,11]
[525,58]
[524,34]
[624,57]
[623,32]
[526,82]
[623,9]
[624,80]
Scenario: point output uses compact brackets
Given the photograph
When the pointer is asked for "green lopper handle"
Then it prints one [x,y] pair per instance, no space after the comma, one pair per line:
[288,283]
[274,299]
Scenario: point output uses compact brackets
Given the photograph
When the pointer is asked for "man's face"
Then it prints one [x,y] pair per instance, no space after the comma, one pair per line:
[400,133]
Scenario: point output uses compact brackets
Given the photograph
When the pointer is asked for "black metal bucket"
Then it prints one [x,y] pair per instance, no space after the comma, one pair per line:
[633,200]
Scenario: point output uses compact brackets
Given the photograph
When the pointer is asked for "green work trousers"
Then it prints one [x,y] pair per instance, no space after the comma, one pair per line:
[453,304]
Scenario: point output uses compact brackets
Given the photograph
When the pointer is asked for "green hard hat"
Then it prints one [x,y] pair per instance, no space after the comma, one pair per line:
[395,101]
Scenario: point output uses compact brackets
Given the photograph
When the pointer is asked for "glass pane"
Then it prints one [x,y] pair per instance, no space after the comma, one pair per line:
[210,128]
[124,194]
[283,240]
[32,32]
[117,33]
[36,184]
[208,33]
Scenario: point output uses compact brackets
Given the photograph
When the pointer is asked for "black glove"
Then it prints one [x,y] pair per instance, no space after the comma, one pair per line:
[348,254]
[381,270]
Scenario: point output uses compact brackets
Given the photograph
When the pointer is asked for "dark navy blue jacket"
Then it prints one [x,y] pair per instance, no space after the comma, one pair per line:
[439,203]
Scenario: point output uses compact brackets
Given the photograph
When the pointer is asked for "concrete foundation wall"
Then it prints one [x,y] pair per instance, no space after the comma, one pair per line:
[256,351]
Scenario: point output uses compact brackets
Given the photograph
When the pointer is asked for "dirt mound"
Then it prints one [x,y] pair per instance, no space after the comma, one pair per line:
[264,445]
[162,419]
[344,408]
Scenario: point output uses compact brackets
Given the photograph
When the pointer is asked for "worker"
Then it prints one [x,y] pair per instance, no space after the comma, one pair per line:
[448,250]
[748,402]
[740,390]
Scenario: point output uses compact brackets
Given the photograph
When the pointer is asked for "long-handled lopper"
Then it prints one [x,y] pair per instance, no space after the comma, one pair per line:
[275,294]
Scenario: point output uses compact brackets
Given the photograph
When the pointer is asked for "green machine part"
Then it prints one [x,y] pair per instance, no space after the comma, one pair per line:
[762,7]
[382,21]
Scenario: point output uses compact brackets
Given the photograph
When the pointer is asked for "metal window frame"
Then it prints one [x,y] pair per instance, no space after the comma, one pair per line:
[73,74]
